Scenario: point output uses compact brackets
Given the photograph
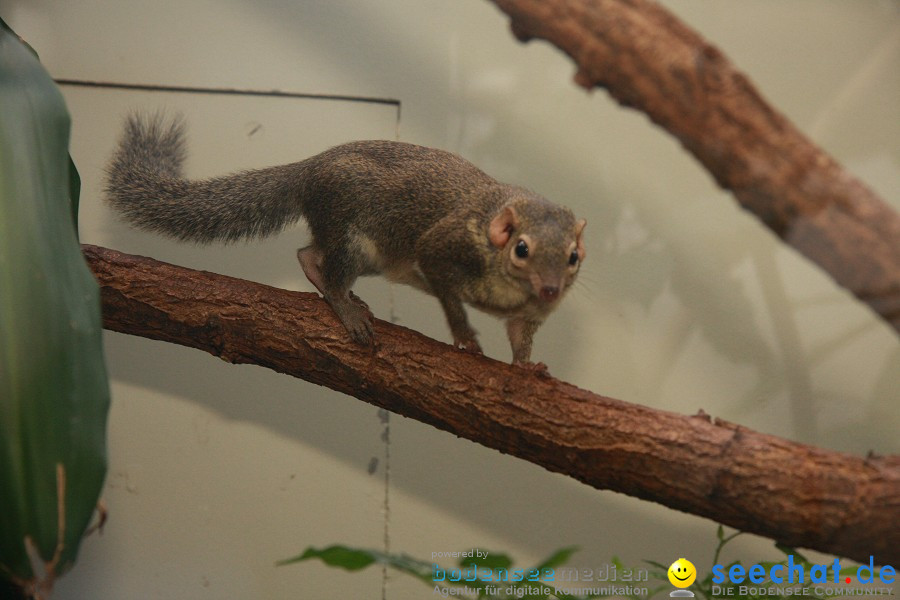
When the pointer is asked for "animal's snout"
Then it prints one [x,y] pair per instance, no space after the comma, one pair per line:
[549,293]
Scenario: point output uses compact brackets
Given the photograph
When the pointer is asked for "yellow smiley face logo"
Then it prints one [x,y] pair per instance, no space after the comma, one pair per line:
[682,573]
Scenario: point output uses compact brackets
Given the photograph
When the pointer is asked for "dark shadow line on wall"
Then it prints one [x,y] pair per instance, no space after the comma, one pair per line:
[229,91]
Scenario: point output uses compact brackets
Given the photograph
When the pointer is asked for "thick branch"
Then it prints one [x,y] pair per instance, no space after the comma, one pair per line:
[799,495]
[647,59]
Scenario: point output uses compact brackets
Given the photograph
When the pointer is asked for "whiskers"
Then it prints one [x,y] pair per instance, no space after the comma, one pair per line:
[587,286]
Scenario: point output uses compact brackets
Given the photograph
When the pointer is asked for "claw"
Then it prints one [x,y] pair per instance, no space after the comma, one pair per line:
[357,319]
[363,332]
[538,368]
[469,345]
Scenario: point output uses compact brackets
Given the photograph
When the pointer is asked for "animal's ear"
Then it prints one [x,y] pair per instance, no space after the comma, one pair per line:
[579,241]
[502,226]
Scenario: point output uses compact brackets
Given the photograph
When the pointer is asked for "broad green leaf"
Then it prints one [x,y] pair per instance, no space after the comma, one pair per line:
[356,559]
[560,557]
[346,558]
[54,396]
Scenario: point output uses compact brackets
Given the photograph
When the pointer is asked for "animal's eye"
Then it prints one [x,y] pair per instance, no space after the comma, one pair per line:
[522,249]
[573,258]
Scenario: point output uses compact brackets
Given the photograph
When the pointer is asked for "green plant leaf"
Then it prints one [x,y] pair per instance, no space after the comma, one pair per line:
[54,395]
[560,557]
[349,559]
[356,559]
[787,551]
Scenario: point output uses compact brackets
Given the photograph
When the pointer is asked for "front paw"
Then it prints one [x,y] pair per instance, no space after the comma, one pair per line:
[470,345]
[358,321]
[362,330]
[538,368]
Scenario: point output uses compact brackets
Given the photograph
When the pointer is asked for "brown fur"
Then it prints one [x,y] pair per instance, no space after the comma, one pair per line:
[417,215]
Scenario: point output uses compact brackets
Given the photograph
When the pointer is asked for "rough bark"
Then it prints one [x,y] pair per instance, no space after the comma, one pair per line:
[793,493]
[647,59]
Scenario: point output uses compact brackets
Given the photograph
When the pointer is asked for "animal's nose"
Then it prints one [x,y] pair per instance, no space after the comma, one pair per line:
[549,293]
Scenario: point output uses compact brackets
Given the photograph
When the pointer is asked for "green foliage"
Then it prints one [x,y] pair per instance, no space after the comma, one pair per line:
[657,583]
[352,559]
[54,395]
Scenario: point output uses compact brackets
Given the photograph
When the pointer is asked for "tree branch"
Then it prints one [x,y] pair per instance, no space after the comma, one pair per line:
[647,59]
[796,494]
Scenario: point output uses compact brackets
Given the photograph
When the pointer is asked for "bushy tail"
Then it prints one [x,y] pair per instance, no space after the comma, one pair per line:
[146,185]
